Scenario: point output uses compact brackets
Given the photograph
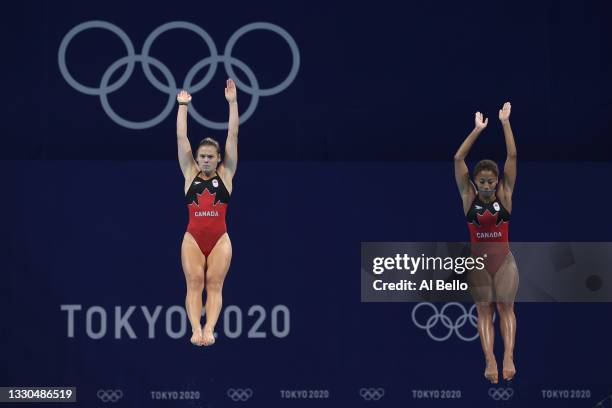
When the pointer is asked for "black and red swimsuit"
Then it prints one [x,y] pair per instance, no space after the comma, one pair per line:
[488,224]
[207,202]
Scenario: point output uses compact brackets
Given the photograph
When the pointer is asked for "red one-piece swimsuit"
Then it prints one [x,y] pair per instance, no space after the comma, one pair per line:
[488,225]
[207,202]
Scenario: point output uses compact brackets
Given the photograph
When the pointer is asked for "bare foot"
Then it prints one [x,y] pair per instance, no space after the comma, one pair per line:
[509,371]
[491,373]
[208,337]
[196,337]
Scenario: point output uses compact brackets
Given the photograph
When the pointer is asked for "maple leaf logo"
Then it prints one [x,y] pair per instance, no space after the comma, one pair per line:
[487,220]
[205,200]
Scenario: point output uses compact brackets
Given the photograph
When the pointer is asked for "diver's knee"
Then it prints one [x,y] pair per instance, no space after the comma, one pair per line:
[214,285]
[504,307]
[484,308]
[195,281]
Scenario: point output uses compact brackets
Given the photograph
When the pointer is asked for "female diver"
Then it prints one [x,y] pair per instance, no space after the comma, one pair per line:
[206,250]
[487,204]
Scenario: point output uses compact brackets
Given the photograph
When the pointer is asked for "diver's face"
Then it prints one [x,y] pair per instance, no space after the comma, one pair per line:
[486,183]
[208,158]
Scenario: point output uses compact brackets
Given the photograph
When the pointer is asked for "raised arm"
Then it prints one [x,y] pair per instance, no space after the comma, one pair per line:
[185,156]
[510,165]
[462,175]
[230,161]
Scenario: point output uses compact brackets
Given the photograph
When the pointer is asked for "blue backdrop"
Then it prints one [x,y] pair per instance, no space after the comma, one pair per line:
[356,147]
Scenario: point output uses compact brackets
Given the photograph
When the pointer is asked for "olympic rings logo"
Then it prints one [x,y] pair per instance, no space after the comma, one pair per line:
[170,88]
[110,395]
[371,394]
[501,394]
[441,317]
[239,394]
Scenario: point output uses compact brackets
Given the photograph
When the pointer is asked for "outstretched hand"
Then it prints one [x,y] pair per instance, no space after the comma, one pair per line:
[183,97]
[504,113]
[479,122]
[230,91]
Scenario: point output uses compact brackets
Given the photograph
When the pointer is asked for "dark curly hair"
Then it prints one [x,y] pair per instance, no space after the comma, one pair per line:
[486,164]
